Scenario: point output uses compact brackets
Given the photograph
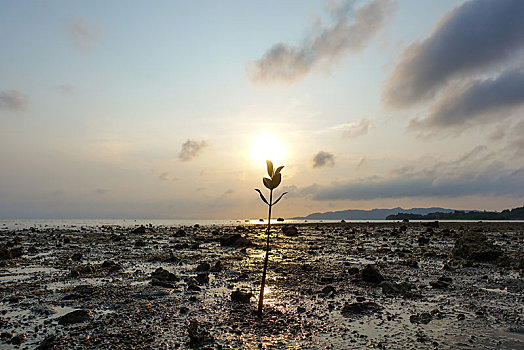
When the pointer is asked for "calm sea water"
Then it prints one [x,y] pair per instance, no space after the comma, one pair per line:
[19,224]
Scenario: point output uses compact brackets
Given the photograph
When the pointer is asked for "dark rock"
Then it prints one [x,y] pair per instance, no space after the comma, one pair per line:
[289,230]
[217,267]
[203,267]
[240,296]
[202,278]
[360,308]
[110,265]
[198,336]
[360,298]
[461,317]
[328,290]
[353,270]
[424,317]
[139,229]
[47,344]
[371,275]
[234,240]
[180,233]
[76,316]
[412,263]
[163,278]
[140,243]
[423,240]
[76,256]
[390,288]
[474,246]
[433,224]
[18,339]
[280,219]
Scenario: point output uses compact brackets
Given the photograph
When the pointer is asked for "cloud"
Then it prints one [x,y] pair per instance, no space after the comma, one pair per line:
[508,183]
[477,172]
[67,89]
[13,100]
[191,149]
[322,159]
[84,34]
[101,191]
[473,37]
[350,32]
[164,176]
[483,98]
[357,129]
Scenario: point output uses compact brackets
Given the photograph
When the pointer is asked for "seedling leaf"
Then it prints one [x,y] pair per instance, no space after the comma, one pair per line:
[279,169]
[282,195]
[276,181]
[267,182]
[269,168]
[262,196]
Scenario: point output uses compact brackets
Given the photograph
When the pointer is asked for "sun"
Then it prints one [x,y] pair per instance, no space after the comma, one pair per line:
[268,146]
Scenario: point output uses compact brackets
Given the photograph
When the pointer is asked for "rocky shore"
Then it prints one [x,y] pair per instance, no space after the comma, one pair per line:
[347,285]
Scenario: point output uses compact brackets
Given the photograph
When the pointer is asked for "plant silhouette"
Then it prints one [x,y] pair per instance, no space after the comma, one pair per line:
[271,183]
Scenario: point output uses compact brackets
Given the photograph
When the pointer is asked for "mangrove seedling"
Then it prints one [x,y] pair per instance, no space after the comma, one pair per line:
[271,183]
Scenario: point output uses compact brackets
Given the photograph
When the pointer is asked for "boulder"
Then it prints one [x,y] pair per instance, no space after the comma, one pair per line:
[370,274]
[76,316]
[234,240]
[474,246]
[289,230]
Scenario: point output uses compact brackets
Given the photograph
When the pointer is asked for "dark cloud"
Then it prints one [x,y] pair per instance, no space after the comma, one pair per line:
[484,98]
[322,159]
[13,100]
[101,191]
[506,183]
[191,149]
[84,34]
[350,32]
[477,172]
[475,36]
[357,129]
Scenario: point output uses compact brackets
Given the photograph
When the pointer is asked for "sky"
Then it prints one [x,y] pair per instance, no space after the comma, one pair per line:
[168,109]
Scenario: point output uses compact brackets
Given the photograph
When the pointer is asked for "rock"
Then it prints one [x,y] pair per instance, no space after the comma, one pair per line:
[5,253]
[280,219]
[197,335]
[139,229]
[76,256]
[424,317]
[474,246]
[461,317]
[289,230]
[360,308]
[423,240]
[328,290]
[110,265]
[353,270]
[371,275]
[412,263]
[433,224]
[202,278]
[47,344]
[240,296]
[217,267]
[140,243]
[76,316]
[163,278]
[390,288]
[203,267]
[441,283]
[180,233]
[234,240]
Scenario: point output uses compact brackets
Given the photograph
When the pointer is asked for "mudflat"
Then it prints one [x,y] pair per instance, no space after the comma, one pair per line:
[341,286]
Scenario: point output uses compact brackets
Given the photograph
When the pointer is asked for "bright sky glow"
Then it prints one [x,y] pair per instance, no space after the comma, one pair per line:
[267,146]
[133,109]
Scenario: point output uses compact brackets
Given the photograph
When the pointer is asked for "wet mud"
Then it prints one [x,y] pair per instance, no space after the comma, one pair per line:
[330,286]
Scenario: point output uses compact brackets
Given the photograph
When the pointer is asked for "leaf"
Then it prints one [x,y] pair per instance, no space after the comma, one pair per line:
[269,168]
[278,169]
[276,180]
[262,196]
[267,182]
[282,195]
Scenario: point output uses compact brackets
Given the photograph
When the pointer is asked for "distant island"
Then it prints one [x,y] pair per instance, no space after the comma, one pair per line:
[507,214]
[373,214]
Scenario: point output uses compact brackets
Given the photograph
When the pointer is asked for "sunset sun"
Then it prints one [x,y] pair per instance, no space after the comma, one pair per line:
[268,146]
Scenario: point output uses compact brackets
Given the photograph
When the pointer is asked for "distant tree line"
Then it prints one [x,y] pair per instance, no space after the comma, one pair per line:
[507,214]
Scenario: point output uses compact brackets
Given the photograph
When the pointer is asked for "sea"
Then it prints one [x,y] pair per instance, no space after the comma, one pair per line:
[20,224]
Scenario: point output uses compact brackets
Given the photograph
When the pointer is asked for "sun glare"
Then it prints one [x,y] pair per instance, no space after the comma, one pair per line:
[268,146]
